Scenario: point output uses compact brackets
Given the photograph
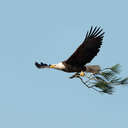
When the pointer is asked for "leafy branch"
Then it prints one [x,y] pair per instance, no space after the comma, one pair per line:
[104,81]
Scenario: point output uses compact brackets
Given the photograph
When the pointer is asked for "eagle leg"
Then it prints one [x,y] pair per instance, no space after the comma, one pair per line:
[82,73]
[75,75]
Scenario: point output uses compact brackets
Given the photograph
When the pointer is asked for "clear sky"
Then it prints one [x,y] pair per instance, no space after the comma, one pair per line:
[49,31]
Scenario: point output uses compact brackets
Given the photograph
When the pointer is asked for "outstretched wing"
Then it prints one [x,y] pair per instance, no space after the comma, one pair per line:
[41,65]
[88,49]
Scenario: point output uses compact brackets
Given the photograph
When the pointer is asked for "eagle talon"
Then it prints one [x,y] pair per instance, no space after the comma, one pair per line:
[82,74]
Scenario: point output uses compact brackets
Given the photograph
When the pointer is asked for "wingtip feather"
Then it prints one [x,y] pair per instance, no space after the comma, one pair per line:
[95,32]
[37,65]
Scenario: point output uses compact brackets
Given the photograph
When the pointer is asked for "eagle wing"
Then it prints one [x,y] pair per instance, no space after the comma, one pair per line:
[88,49]
[41,65]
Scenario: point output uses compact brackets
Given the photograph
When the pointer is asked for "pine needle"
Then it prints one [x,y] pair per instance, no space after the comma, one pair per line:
[105,81]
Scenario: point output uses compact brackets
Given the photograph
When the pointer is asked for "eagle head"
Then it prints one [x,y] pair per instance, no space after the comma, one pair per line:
[59,66]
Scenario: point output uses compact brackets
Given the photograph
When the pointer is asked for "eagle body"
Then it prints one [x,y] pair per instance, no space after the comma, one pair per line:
[69,68]
[83,54]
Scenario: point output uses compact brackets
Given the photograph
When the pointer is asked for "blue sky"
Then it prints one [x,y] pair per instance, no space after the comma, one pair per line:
[50,31]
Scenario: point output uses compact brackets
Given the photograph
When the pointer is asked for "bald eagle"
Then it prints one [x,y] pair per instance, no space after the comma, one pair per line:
[83,55]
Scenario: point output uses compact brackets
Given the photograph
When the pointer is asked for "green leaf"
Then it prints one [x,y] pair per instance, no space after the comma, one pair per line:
[108,91]
[115,80]
[124,81]
[106,80]
[116,68]
[107,74]
[104,86]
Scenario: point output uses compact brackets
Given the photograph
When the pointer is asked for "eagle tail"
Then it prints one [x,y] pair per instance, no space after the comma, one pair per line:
[93,68]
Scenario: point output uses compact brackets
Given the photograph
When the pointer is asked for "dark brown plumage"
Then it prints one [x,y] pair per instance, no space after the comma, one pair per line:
[88,49]
[83,54]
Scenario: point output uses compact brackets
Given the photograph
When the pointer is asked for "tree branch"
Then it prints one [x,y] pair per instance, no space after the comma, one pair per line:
[104,81]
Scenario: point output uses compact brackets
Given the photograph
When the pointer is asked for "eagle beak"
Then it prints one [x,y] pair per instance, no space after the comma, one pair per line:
[52,66]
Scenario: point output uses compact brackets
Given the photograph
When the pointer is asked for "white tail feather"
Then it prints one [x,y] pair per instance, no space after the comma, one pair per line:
[93,68]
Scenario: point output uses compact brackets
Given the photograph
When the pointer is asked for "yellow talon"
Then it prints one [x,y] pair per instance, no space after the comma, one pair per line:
[82,73]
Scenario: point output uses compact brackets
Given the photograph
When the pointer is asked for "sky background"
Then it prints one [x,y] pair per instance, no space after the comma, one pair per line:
[49,31]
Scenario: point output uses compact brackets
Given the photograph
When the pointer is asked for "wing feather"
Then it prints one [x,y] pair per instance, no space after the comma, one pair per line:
[41,65]
[88,49]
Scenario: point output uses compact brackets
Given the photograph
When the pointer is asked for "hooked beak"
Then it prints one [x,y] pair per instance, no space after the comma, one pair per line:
[52,66]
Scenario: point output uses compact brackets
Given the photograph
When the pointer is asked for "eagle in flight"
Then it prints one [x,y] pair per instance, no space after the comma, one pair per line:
[83,55]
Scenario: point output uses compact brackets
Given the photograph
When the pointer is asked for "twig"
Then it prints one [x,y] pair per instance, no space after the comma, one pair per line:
[103,81]
[92,87]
